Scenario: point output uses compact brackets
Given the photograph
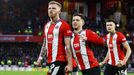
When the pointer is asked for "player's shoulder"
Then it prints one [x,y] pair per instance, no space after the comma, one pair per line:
[89,31]
[119,33]
[108,34]
[49,22]
[64,22]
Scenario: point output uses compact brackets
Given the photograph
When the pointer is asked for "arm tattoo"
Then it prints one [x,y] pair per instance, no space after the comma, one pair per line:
[43,49]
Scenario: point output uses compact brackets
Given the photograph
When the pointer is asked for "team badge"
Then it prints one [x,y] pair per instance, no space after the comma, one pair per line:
[56,27]
[114,39]
[47,27]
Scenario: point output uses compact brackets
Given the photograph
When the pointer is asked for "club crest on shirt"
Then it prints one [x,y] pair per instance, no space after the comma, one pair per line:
[114,39]
[47,27]
[56,27]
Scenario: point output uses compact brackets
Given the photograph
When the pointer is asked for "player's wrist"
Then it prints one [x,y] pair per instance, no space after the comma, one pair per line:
[124,61]
[40,58]
[100,63]
[103,62]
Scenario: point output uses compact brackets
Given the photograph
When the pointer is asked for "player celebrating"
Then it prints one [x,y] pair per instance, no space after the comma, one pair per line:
[57,35]
[80,41]
[115,57]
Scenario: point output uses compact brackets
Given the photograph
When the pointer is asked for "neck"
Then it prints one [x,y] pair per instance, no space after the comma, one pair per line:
[54,19]
[112,32]
[77,31]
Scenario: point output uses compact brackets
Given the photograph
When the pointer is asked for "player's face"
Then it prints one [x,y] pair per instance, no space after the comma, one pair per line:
[110,26]
[77,22]
[53,10]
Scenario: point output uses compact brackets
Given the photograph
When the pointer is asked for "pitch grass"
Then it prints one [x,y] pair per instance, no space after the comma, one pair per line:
[32,73]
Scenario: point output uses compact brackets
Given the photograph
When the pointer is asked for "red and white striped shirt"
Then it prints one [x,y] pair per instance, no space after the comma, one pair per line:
[81,50]
[74,62]
[54,35]
[114,43]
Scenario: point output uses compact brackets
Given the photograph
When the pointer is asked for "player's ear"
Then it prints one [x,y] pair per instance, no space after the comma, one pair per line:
[59,11]
[83,22]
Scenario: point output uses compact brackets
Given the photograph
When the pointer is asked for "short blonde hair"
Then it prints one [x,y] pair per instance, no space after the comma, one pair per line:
[55,2]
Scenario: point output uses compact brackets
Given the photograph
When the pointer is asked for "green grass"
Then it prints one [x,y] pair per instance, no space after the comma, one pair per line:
[31,73]
[127,74]
[22,73]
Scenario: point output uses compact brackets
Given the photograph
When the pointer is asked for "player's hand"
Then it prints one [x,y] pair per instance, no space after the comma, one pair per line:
[121,63]
[101,64]
[83,37]
[68,69]
[67,73]
[38,63]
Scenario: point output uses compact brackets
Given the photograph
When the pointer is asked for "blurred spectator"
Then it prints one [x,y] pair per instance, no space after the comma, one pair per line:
[19,52]
[9,62]
[2,63]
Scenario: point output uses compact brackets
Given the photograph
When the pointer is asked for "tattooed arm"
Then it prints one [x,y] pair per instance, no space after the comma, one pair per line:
[68,68]
[42,52]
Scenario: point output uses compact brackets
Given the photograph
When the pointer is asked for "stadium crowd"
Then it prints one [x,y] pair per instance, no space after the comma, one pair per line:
[27,53]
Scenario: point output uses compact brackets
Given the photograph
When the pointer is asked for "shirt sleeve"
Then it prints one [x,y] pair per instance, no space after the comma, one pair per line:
[94,38]
[67,30]
[122,38]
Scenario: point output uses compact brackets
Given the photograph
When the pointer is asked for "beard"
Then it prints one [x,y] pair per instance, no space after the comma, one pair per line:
[52,14]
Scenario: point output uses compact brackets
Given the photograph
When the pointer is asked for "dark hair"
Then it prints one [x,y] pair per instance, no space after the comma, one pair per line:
[111,20]
[85,26]
[80,15]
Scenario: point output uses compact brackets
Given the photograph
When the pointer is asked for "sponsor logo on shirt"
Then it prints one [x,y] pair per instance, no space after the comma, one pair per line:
[76,45]
[50,36]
